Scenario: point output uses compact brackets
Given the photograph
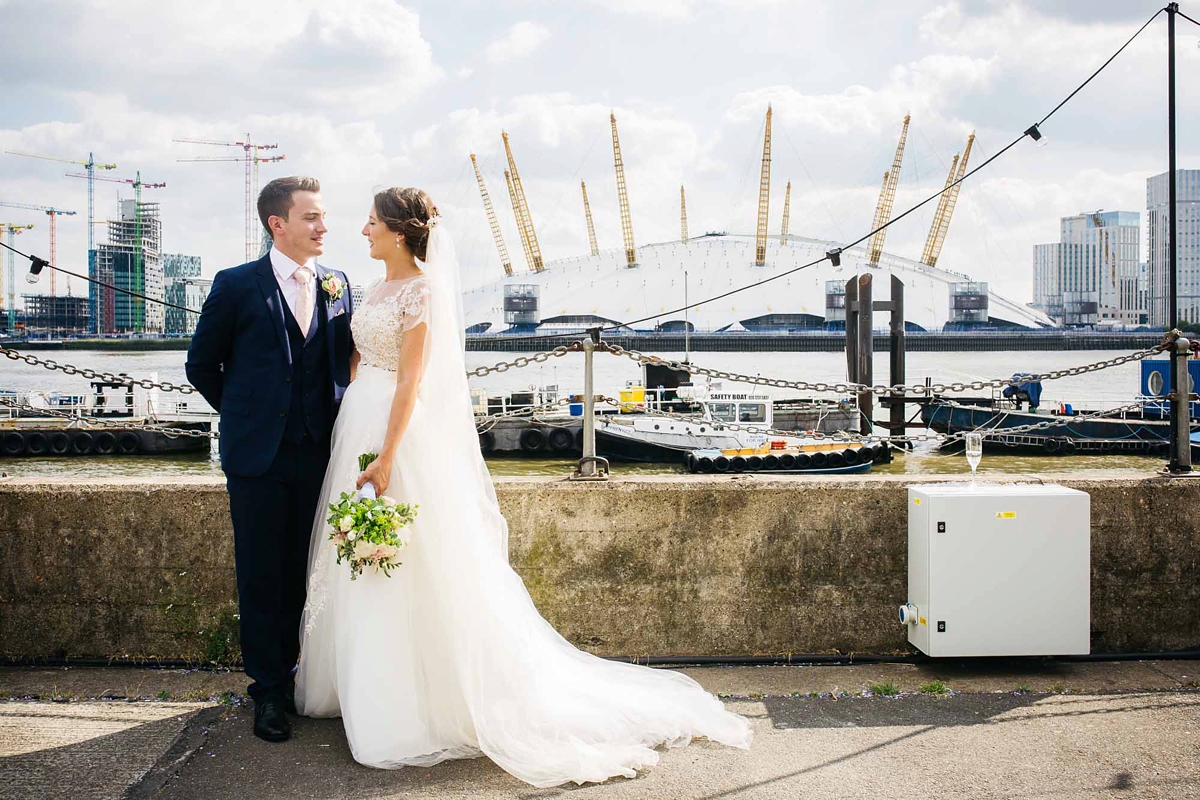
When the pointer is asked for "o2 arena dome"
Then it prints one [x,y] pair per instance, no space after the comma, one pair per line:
[611,287]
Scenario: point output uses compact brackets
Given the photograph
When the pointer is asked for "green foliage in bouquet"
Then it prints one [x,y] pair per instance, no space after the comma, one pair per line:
[367,532]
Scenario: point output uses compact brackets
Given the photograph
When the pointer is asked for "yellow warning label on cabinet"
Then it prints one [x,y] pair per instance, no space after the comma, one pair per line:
[916,501]
[923,622]
[1006,515]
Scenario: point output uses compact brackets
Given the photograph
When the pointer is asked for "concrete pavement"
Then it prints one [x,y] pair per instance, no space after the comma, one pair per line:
[1007,729]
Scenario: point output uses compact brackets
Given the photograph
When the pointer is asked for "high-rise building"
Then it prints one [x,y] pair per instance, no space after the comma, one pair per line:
[1158,229]
[130,260]
[184,287]
[1090,276]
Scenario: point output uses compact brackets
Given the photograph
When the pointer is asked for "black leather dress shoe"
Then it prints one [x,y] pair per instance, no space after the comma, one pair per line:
[270,723]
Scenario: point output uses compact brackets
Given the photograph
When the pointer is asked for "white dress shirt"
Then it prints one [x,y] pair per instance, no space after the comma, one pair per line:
[285,269]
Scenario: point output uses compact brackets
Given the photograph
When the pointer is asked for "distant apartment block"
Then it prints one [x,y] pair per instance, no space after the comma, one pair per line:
[184,287]
[1093,274]
[1187,277]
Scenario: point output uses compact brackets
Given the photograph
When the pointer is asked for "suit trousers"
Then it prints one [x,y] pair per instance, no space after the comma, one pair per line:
[273,516]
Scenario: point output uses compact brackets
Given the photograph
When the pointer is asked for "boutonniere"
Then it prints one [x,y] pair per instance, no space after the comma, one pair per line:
[333,287]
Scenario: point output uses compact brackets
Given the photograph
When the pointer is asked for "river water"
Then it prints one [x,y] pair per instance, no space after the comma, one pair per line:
[1107,388]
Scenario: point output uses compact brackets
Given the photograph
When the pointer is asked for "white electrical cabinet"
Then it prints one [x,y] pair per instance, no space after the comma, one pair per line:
[998,570]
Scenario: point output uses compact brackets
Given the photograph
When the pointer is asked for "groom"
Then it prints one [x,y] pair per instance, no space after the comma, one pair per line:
[271,352]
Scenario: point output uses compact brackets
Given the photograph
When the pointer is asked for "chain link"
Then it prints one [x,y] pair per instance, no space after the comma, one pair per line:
[91,374]
[100,423]
[525,361]
[1056,422]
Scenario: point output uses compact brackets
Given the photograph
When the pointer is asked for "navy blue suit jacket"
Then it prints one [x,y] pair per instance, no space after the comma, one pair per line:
[240,361]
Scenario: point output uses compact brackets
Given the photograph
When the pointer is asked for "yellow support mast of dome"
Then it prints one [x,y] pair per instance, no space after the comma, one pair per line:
[505,261]
[887,196]
[587,213]
[623,197]
[535,251]
[683,232]
[516,206]
[945,209]
[787,212]
[764,197]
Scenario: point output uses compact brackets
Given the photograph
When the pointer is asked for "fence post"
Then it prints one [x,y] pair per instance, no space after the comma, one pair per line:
[1181,404]
[591,467]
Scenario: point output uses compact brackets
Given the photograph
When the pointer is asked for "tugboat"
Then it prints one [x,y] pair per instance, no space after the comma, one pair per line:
[1145,430]
[125,413]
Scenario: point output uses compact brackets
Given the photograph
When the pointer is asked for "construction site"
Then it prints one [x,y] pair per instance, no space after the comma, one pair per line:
[608,287]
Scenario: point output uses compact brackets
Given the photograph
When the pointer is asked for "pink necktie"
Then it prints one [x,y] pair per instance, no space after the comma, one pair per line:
[304,300]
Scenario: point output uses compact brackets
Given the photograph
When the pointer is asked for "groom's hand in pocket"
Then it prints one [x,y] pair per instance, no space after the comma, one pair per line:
[376,474]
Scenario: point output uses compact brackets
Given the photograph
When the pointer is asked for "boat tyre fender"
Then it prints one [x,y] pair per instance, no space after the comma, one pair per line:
[1068,448]
[561,439]
[819,460]
[532,440]
[106,443]
[59,443]
[737,464]
[36,443]
[883,454]
[770,463]
[704,464]
[803,461]
[81,443]
[754,463]
[1050,446]
[129,443]
[787,461]
[689,461]
[579,440]
[721,464]
[849,457]
[835,460]
[14,443]
[487,440]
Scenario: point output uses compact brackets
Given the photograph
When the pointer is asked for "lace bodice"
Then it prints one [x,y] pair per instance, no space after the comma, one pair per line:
[389,309]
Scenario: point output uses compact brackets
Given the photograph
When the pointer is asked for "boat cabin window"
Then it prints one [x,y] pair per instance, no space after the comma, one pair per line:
[723,412]
[752,412]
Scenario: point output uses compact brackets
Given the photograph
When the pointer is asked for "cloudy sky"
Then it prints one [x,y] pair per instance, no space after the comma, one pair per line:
[381,93]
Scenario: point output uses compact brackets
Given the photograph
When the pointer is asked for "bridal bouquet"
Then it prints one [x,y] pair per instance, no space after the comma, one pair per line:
[366,530]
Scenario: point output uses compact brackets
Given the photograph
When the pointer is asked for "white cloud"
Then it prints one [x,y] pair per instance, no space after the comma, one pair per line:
[520,41]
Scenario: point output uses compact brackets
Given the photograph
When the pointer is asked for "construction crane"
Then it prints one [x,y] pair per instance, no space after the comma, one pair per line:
[623,197]
[887,196]
[13,231]
[52,213]
[491,215]
[945,209]
[683,234]
[251,159]
[587,213]
[139,272]
[91,167]
[516,206]
[535,250]
[787,212]
[764,197]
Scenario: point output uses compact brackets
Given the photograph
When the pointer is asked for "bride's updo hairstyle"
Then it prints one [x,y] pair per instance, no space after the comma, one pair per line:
[407,211]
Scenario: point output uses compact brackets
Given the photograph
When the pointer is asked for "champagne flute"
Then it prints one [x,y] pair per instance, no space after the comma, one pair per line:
[974,451]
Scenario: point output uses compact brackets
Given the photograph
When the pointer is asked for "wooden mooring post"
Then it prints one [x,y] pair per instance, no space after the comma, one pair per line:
[860,348]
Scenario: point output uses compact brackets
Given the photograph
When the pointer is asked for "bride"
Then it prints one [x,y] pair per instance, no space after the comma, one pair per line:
[449,658]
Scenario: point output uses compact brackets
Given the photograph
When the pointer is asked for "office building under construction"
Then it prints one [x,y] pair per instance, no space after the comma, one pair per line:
[130,260]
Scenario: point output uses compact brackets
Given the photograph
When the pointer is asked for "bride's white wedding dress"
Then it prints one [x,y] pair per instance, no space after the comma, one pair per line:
[449,658]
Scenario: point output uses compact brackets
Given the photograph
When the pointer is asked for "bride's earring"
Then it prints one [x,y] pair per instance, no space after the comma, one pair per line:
[397,240]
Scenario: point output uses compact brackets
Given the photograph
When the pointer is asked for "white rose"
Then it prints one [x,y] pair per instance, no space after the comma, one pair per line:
[364,549]
[387,501]
[346,524]
[352,536]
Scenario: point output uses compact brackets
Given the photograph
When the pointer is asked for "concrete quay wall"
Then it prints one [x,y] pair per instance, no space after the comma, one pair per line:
[679,565]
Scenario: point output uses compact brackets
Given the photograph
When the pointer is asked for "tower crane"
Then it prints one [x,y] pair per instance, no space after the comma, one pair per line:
[491,215]
[945,209]
[683,233]
[139,272]
[764,197]
[251,159]
[52,213]
[13,231]
[887,196]
[91,167]
[787,212]
[535,250]
[521,231]
[623,197]
[587,213]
